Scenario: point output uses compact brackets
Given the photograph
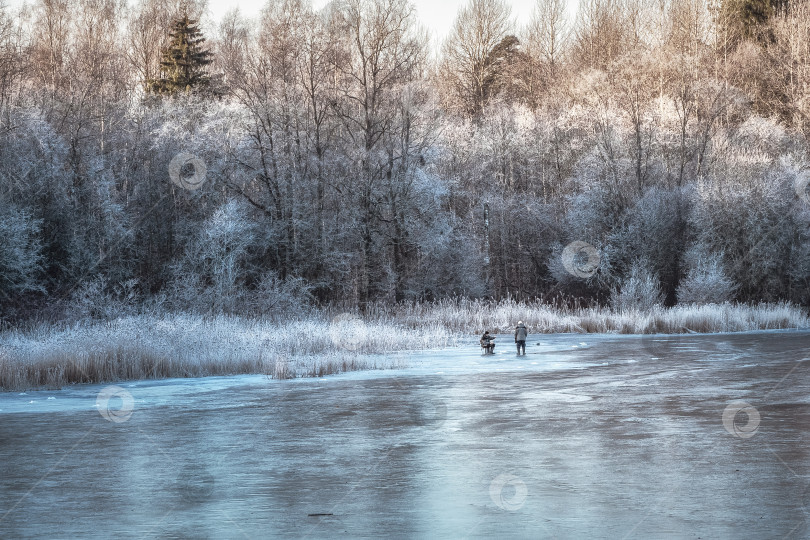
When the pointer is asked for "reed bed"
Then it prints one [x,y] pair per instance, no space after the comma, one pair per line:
[183,345]
[143,347]
[475,316]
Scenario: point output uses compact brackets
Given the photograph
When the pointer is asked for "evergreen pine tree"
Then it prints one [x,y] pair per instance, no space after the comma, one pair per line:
[501,63]
[183,62]
[749,18]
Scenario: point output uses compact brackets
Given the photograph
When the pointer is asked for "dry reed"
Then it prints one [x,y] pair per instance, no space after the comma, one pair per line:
[149,347]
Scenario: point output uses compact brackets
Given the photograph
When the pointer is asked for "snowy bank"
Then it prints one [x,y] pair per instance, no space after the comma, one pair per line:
[154,347]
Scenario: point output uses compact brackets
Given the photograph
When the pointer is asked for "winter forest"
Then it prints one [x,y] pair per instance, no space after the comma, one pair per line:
[341,159]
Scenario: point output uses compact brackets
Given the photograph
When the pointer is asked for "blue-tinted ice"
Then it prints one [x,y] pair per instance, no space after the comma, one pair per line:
[585,437]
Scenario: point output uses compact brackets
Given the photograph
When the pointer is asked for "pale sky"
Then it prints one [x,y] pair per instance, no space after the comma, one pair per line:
[436,15]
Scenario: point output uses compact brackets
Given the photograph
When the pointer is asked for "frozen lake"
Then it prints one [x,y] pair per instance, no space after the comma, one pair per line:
[585,437]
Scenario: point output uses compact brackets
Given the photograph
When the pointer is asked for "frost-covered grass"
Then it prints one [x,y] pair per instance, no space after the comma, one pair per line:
[144,347]
[152,347]
[475,316]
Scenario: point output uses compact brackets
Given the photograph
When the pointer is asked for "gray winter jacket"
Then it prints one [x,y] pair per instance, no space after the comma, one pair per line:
[521,333]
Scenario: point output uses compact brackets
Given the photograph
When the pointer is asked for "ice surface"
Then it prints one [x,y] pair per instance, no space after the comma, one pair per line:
[624,438]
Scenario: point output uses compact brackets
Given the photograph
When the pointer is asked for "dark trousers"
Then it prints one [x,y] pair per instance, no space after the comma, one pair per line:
[521,345]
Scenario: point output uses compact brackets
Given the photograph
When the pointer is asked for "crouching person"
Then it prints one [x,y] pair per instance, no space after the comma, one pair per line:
[486,343]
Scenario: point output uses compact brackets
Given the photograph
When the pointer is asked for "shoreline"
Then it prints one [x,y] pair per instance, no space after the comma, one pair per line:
[457,362]
[145,347]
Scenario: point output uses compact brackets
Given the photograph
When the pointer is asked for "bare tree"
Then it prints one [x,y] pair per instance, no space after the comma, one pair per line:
[385,50]
[635,86]
[545,44]
[51,42]
[548,32]
[789,65]
[233,38]
[264,76]
[479,27]
[12,66]
[688,28]
[317,74]
[602,33]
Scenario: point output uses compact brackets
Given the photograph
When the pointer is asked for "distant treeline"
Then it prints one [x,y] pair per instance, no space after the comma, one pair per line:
[152,157]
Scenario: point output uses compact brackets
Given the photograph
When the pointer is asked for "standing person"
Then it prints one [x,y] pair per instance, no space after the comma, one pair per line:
[521,333]
[486,343]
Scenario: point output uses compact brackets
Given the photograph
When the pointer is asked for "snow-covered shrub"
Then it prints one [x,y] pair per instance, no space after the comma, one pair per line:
[640,290]
[276,297]
[706,281]
[98,299]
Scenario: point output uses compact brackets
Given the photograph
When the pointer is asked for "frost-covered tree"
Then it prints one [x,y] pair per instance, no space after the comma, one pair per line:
[20,253]
[383,53]
[212,274]
[361,171]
